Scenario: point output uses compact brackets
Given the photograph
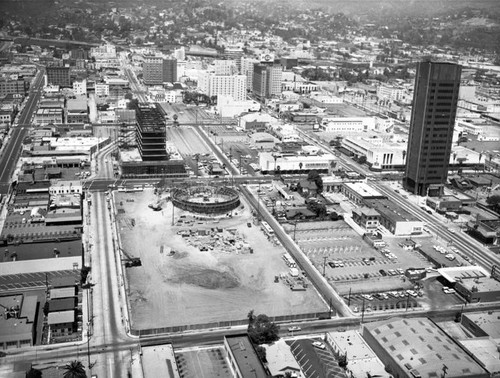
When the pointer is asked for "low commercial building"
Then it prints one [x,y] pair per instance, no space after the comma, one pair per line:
[396,219]
[159,361]
[256,121]
[358,192]
[417,347]
[361,360]
[296,163]
[61,323]
[243,359]
[77,110]
[485,351]
[380,154]
[263,141]
[333,124]
[482,324]
[367,218]
[474,283]
[17,325]
[281,361]
[47,116]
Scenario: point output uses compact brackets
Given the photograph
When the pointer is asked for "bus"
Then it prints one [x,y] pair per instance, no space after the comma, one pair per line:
[289,261]
[267,229]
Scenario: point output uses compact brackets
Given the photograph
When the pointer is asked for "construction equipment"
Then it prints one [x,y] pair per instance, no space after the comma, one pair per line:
[129,260]
[158,205]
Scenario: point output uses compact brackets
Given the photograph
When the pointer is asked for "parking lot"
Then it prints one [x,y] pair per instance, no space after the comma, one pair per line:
[315,362]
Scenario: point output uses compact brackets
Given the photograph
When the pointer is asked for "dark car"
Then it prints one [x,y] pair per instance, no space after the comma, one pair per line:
[383,272]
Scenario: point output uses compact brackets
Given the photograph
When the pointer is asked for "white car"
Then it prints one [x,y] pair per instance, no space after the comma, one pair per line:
[318,344]
[448,290]
[294,329]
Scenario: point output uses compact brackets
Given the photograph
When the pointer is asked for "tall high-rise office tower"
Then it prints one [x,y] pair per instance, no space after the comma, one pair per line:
[431,128]
[266,80]
[157,70]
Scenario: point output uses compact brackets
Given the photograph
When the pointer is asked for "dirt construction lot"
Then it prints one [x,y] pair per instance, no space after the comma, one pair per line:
[191,286]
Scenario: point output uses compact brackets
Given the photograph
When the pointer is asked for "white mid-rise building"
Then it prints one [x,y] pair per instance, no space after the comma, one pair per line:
[247,69]
[225,67]
[215,85]
[80,87]
[390,92]
[380,154]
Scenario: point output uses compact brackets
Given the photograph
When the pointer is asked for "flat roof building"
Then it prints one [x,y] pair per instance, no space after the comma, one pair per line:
[244,361]
[394,218]
[483,323]
[362,361]
[474,283]
[360,191]
[418,348]
[17,321]
[431,127]
[159,361]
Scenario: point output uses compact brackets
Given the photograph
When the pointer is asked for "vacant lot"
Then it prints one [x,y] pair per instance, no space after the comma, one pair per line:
[178,284]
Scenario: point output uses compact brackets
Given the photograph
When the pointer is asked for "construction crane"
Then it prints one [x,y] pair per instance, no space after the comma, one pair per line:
[129,260]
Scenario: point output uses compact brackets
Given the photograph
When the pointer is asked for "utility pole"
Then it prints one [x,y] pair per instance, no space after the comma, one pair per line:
[324,264]
[363,310]
[349,298]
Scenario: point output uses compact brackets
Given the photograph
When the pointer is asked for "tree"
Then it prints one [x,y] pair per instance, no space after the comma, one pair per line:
[342,360]
[316,178]
[261,330]
[33,373]
[262,353]
[74,369]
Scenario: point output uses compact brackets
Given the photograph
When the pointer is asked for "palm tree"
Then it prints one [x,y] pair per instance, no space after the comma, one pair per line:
[74,369]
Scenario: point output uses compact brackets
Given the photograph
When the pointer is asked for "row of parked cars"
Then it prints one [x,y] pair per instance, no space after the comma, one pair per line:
[391,272]
[443,251]
[393,294]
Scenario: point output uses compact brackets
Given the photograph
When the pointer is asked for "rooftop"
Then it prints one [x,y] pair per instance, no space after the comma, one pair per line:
[246,358]
[63,292]
[61,317]
[428,350]
[489,322]
[391,210]
[485,350]
[57,305]
[363,189]
[363,361]
[159,361]
[280,358]
[451,274]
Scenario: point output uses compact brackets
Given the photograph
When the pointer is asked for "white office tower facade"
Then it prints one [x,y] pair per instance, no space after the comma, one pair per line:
[274,77]
[219,85]
[80,87]
[247,69]
[225,67]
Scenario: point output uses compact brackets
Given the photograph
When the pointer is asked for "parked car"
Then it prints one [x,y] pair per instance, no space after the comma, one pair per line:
[319,344]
